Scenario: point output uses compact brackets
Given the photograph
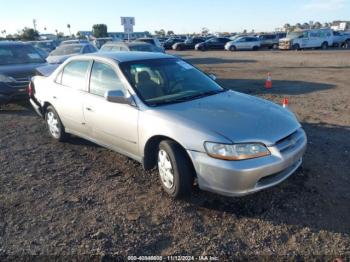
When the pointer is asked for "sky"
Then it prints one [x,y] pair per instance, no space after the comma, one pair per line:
[180,16]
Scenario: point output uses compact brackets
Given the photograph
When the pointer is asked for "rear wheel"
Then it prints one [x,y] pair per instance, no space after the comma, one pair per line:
[175,169]
[275,46]
[255,48]
[54,124]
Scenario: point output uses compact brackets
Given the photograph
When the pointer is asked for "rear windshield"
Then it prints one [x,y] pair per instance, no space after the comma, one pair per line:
[143,48]
[67,50]
[19,54]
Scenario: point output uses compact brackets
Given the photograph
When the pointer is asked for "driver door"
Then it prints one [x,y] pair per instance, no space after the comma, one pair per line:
[112,124]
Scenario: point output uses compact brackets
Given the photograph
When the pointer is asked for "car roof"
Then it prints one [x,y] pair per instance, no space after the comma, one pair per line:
[128,56]
[75,44]
[117,43]
[12,43]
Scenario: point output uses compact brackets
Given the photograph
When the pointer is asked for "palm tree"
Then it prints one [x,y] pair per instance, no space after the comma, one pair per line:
[68,26]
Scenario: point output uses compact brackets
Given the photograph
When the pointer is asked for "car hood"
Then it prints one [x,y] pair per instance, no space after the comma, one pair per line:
[285,39]
[236,116]
[20,70]
[59,59]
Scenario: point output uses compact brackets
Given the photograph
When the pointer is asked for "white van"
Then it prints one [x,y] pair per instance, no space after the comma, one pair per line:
[313,38]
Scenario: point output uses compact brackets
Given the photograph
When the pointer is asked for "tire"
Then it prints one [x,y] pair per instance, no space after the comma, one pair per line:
[324,46]
[54,125]
[296,47]
[176,172]
[178,48]
[255,48]
[233,48]
[347,44]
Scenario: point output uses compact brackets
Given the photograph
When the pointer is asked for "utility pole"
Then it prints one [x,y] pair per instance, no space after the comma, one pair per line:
[34,24]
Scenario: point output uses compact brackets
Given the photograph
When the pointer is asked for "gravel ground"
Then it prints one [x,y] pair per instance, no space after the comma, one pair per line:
[76,198]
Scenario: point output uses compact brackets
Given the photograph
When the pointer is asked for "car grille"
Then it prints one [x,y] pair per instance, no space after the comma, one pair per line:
[290,142]
[285,44]
[21,82]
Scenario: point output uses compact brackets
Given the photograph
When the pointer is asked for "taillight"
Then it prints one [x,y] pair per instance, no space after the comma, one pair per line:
[30,89]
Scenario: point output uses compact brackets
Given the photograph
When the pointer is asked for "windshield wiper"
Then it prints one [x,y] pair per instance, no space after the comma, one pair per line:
[188,98]
[199,95]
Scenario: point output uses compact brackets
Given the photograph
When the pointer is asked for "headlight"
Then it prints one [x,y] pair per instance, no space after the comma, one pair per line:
[236,151]
[6,79]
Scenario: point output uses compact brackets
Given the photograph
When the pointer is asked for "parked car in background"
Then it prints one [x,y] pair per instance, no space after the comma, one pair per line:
[17,65]
[151,40]
[46,45]
[188,44]
[162,111]
[168,44]
[162,40]
[313,38]
[215,43]
[74,41]
[341,39]
[243,43]
[271,41]
[63,52]
[42,52]
[99,42]
[130,46]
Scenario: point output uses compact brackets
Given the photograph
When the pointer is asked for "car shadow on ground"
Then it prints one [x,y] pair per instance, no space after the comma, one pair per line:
[316,196]
[285,87]
[213,60]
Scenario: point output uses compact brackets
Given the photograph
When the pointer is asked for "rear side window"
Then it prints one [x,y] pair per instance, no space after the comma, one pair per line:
[103,78]
[74,74]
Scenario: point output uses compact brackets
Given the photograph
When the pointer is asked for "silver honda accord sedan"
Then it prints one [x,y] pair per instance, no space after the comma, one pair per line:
[165,113]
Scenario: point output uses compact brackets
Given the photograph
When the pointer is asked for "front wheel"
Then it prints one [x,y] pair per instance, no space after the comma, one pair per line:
[232,48]
[54,124]
[324,46]
[175,169]
[296,47]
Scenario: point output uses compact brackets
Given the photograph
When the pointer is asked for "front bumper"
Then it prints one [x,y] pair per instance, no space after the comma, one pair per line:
[285,45]
[239,178]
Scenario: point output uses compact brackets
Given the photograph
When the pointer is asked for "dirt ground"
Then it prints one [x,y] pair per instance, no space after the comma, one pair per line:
[77,198]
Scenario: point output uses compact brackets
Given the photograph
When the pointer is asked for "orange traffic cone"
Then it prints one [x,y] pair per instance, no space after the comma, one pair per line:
[268,83]
[285,102]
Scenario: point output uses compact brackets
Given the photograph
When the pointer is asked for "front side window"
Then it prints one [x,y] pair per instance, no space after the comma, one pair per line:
[104,78]
[74,74]
[171,80]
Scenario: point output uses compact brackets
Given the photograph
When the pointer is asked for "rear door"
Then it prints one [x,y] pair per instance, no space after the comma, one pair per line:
[112,124]
[70,88]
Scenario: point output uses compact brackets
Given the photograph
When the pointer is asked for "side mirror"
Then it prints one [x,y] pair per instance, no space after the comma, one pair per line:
[212,76]
[117,96]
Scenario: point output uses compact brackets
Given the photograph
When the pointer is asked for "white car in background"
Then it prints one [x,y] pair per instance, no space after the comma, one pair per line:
[243,43]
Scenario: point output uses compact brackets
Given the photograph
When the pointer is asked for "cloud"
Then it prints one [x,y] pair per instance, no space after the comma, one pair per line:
[325,5]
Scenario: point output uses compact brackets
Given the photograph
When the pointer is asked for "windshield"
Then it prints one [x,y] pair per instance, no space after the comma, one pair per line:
[67,50]
[166,81]
[294,34]
[19,54]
